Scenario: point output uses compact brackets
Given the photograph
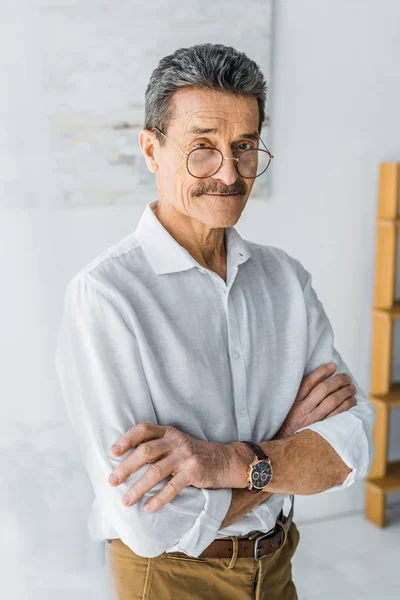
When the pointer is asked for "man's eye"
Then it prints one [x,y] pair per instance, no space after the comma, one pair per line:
[201,145]
[244,146]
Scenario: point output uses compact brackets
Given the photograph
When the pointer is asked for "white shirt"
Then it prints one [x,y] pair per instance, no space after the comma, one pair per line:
[149,334]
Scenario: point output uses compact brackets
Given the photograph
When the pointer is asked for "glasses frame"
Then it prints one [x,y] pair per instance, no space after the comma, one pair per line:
[187,154]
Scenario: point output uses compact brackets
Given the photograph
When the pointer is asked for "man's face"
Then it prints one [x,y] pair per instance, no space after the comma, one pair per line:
[218,200]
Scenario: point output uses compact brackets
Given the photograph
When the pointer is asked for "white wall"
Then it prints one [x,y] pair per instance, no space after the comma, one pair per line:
[335,99]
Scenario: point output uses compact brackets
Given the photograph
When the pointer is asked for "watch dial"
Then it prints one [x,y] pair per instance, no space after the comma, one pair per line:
[261,474]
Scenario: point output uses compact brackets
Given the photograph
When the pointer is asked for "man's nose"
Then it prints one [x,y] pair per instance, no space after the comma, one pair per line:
[227,172]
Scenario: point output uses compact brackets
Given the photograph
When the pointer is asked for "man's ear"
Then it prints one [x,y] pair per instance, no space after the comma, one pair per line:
[148,142]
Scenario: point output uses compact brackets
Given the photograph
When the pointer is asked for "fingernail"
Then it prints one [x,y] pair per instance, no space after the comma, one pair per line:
[126,499]
[116,448]
[148,507]
[331,365]
[113,479]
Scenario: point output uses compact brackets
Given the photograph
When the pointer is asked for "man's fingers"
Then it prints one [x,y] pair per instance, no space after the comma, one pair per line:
[147,452]
[349,403]
[312,379]
[154,474]
[136,435]
[324,389]
[168,493]
[332,403]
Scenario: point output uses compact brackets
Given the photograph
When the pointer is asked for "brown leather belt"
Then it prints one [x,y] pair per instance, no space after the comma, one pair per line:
[255,544]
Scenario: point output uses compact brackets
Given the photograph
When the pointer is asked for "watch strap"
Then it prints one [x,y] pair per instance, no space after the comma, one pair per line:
[259,452]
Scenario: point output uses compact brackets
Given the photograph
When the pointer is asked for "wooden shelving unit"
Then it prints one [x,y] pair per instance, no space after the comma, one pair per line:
[384,476]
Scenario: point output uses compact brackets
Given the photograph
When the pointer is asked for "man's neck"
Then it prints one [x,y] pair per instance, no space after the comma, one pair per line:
[205,244]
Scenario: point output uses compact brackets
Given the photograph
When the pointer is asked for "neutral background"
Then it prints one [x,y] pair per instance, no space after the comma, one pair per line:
[334,105]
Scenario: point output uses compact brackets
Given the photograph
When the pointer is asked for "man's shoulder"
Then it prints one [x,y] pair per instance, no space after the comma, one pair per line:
[125,252]
[111,268]
[127,248]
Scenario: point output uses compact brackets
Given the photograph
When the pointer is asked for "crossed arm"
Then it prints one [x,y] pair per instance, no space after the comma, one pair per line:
[99,377]
[307,453]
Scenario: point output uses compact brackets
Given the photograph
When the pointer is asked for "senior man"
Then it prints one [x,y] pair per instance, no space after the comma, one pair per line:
[198,368]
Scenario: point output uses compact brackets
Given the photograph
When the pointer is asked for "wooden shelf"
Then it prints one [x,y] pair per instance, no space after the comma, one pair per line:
[384,394]
[393,312]
[391,222]
[390,400]
[389,482]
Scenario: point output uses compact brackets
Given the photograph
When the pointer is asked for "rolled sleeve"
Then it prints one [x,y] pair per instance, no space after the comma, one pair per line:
[206,527]
[105,392]
[349,440]
[350,433]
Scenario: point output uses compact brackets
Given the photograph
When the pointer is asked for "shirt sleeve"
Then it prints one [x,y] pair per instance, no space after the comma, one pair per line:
[350,432]
[105,391]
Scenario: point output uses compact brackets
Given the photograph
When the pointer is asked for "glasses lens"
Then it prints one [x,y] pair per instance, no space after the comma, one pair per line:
[253,163]
[204,162]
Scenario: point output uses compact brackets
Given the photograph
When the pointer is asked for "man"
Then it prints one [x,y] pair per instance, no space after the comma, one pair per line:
[184,345]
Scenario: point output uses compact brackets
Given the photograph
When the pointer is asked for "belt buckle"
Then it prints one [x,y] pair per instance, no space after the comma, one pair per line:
[261,537]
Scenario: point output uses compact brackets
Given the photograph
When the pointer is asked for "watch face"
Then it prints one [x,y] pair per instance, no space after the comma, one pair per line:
[261,474]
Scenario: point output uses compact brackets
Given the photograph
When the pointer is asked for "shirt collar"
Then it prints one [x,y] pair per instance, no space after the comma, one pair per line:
[167,256]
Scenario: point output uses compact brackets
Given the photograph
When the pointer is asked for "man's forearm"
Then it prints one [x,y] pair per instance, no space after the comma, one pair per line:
[303,464]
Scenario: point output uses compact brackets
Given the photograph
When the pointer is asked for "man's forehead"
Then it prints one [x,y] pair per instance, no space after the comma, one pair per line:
[202,112]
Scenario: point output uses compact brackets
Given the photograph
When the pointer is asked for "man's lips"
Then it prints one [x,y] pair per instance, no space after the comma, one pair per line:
[235,194]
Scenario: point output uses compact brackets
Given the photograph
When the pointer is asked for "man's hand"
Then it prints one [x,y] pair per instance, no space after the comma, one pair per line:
[318,398]
[191,461]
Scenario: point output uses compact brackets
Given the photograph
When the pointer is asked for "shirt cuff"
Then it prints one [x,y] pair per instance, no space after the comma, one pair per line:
[205,529]
[345,433]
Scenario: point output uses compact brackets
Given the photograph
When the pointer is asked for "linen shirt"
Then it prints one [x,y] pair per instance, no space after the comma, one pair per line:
[150,335]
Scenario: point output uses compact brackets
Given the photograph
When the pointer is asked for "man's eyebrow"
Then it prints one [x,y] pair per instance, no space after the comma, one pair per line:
[251,136]
[201,130]
[254,135]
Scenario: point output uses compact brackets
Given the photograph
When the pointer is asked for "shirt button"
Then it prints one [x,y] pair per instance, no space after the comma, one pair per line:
[236,354]
[243,411]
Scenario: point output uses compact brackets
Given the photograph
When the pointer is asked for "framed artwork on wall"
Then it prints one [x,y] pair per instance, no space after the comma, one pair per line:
[100,56]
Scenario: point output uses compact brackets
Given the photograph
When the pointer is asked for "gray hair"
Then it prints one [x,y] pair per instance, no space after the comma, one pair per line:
[204,66]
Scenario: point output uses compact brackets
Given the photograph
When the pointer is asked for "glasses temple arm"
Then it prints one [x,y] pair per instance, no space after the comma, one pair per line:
[163,134]
[271,155]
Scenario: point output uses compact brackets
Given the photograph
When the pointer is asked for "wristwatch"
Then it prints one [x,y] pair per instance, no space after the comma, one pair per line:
[259,472]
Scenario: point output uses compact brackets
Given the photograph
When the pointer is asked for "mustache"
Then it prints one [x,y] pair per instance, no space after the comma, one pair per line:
[202,188]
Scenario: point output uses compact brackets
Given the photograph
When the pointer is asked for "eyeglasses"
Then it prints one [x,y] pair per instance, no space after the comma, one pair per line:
[205,162]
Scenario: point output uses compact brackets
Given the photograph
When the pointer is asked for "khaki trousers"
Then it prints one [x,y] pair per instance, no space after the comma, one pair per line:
[169,577]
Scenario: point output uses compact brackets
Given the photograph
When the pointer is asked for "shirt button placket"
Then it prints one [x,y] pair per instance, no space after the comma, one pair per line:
[238,371]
